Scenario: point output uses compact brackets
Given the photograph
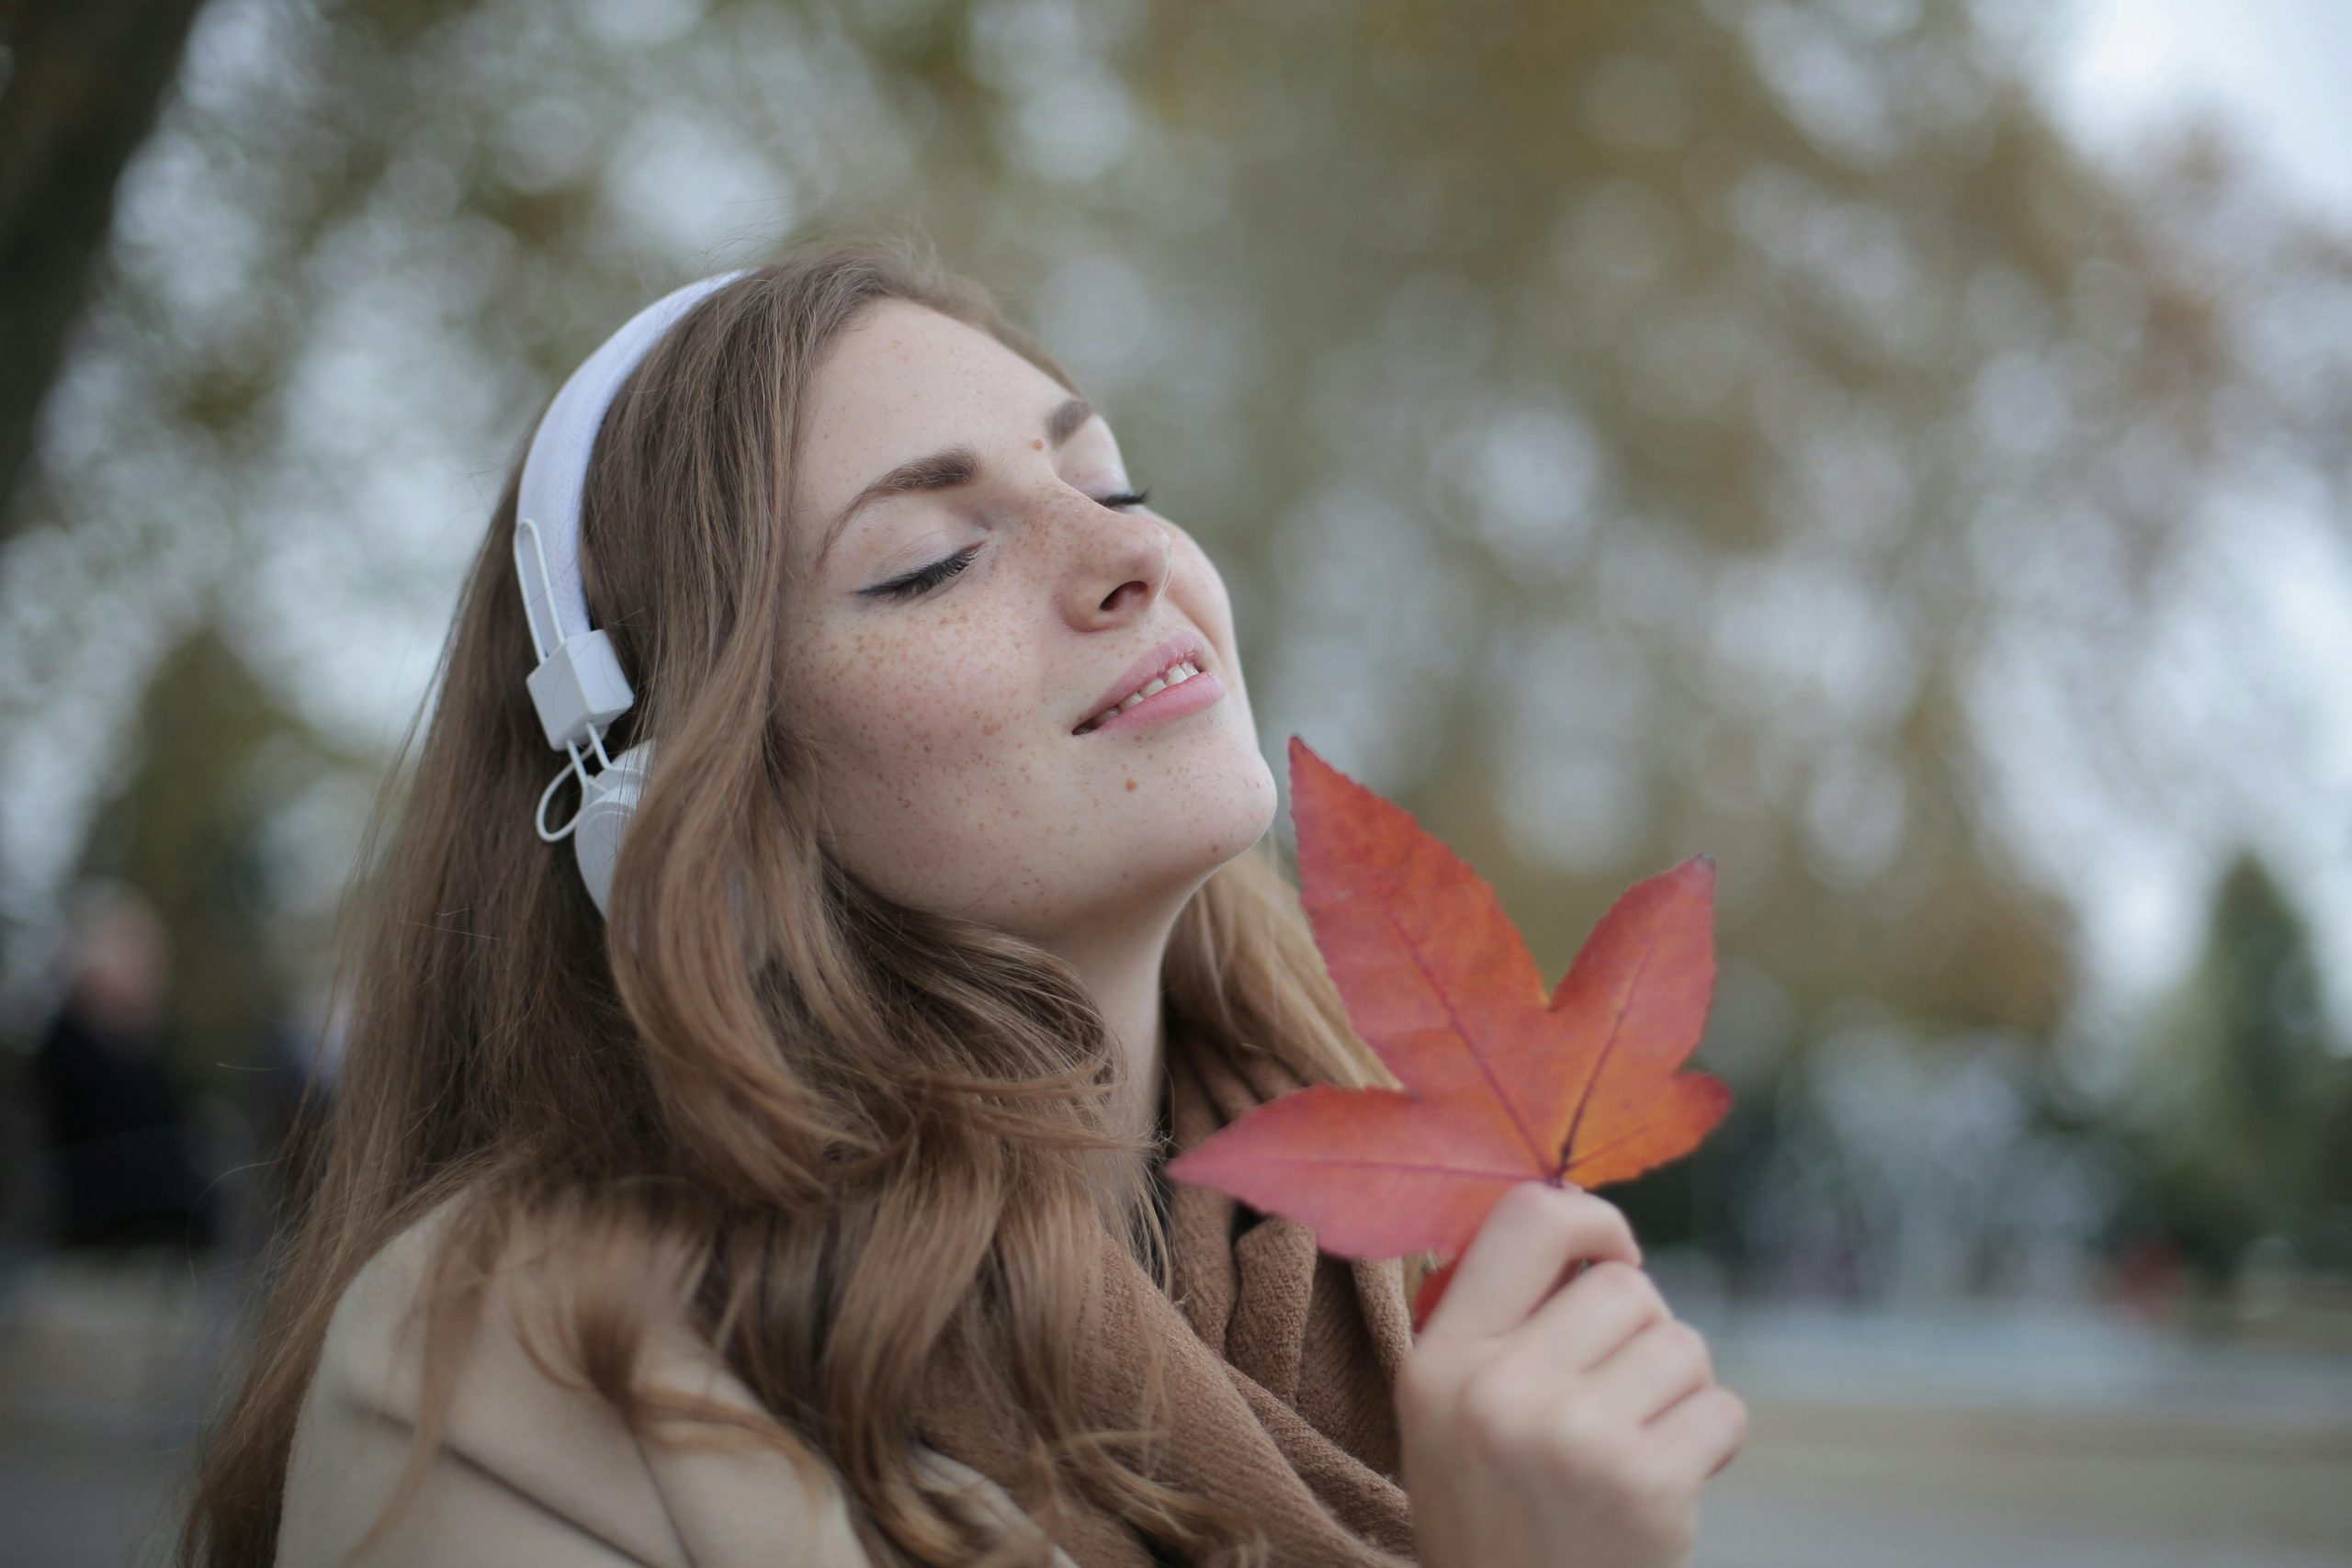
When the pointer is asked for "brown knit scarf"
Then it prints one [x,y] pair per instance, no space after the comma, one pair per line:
[1278,1363]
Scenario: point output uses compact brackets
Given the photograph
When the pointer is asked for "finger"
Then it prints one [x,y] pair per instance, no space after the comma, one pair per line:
[1649,1372]
[1705,1430]
[1531,1238]
[1588,1318]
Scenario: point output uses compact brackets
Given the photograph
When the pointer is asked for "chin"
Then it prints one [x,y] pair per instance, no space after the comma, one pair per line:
[1237,812]
[1265,799]
[1221,817]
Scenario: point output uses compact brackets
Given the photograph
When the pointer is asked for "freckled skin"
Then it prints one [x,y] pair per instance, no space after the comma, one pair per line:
[943,721]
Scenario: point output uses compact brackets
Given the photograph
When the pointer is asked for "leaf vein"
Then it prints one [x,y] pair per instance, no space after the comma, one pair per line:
[1526,1134]
[1601,1061]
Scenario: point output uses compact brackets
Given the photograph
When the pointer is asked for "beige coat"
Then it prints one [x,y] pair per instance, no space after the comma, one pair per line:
[530,1473]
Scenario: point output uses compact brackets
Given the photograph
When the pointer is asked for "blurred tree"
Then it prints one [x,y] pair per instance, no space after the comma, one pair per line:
[217,753]
[2244,1088]
[1666,370]
[81,83]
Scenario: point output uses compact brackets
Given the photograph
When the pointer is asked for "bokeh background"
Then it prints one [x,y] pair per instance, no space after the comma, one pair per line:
[1902,448]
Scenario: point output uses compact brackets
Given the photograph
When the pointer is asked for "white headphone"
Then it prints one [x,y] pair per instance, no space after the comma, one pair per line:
[578,686]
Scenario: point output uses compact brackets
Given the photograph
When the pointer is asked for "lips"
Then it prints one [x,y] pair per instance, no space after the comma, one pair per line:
[1184,647]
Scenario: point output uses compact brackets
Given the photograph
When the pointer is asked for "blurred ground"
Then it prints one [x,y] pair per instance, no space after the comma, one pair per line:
[2017,1436]
[2028,1437]
[101,1373]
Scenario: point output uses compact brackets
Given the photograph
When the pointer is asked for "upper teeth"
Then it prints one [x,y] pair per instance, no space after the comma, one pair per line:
[1174,675]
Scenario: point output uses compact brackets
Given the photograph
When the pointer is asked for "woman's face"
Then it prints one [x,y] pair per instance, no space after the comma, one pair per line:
[943,716]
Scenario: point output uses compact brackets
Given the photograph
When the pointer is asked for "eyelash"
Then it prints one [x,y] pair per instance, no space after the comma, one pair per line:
[939,571]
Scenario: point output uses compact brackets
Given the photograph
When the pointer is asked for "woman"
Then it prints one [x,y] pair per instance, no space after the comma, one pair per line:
[809,1211]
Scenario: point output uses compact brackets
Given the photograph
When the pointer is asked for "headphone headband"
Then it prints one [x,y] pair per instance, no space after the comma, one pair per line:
[578,685]
[557,468]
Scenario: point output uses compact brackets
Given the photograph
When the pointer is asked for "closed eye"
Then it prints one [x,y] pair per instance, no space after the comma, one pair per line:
[924,578]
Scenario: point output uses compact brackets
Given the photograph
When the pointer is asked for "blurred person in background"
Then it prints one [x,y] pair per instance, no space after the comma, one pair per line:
[119,1150]
[801,1198]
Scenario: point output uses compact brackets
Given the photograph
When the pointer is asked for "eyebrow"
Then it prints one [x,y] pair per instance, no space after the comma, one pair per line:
[947,470]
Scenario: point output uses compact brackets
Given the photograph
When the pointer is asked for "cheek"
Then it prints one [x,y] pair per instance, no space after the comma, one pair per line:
[932,781]
[1209,602]
[904,707]
[1196,567]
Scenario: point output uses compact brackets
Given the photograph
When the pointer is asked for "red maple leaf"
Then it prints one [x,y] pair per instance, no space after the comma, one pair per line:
[1503,1083]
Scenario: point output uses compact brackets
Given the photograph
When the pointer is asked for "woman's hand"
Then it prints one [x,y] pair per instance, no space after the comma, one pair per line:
[1545,1423]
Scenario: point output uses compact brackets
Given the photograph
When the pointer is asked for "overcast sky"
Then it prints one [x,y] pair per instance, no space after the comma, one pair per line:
[2275,78]
[2275,74]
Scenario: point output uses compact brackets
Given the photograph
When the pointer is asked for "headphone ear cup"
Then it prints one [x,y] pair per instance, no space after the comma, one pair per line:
[611,799]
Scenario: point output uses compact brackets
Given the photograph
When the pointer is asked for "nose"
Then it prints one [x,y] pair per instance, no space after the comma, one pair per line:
[1117,563]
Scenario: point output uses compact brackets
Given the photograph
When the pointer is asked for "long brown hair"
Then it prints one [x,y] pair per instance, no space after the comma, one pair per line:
[836,1130]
